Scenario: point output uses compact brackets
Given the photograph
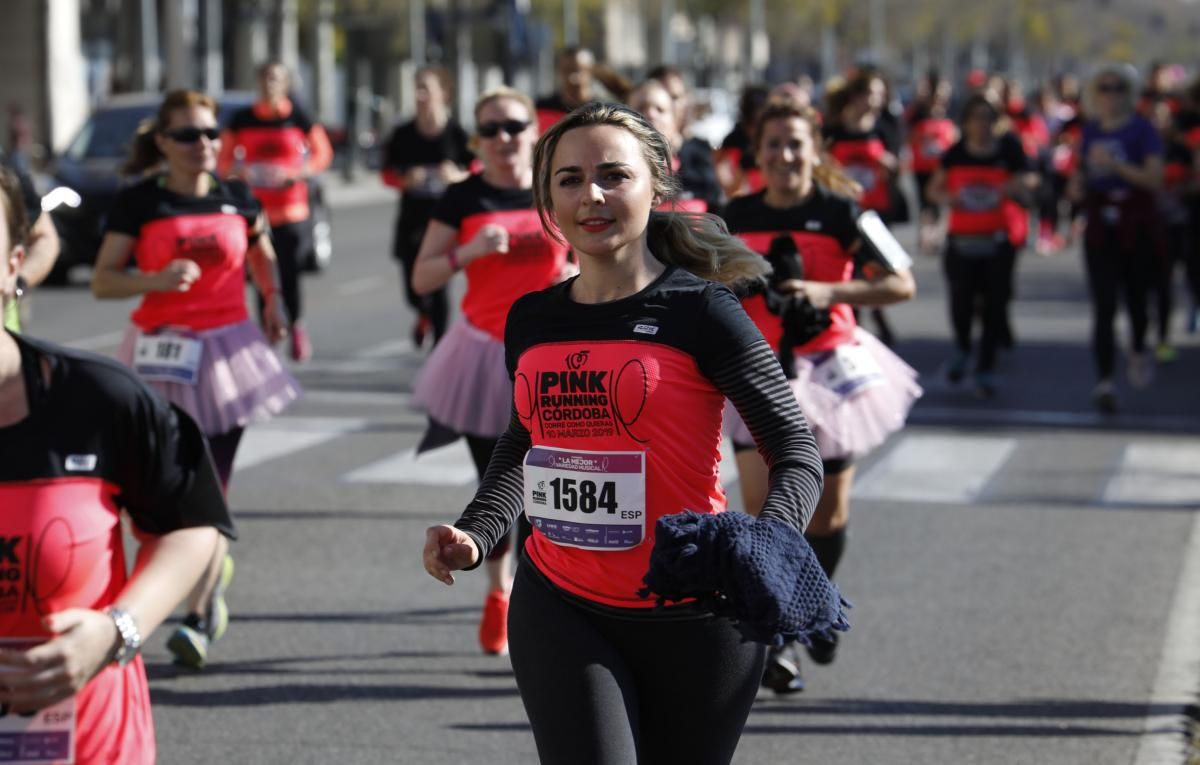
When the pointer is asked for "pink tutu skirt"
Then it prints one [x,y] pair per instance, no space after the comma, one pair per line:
[464,384]
[853,400]
[240,380]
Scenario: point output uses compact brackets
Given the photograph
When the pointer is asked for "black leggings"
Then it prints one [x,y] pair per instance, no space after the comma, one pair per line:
[223,448]
[292,244]
[1178,248]
[615,691]
[407,244]
[985,280]
[1113,269]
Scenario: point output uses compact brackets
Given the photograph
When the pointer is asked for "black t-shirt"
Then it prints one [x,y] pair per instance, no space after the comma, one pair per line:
[29,194]
[149,199]
[1007,154]
[824,212]
[697,174]
[739,141]
[474,196]
[95,424]
[408,147]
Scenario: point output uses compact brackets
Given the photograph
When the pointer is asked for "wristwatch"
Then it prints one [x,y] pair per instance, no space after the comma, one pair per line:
[131,638]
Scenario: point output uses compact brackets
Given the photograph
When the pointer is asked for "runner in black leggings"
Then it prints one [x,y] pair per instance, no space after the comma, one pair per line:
[620,376]
[1120,172]
[978,180]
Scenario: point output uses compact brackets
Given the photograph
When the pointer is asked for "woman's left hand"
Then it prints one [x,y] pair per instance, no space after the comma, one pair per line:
[275,322]
[820,294]
[44,675]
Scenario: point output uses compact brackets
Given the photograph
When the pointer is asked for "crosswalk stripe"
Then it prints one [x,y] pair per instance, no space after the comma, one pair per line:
[287,435]
[1156,473]
[944,468]
[448,466]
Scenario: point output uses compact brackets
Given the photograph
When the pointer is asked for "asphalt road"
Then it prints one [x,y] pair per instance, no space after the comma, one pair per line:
[1015,564]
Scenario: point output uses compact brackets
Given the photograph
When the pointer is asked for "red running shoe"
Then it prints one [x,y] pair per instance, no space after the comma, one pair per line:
[301,346]
[493,628]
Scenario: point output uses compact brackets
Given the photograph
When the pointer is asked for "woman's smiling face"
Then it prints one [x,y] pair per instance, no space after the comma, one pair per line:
[787,150]
[601,190]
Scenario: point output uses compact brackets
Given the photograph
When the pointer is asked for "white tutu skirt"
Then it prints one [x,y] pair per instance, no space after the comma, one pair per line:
[240,381]
[464,384]
[850,414]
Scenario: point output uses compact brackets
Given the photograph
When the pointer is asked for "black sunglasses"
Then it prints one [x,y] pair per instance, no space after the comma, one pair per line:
[492,129]
[1112,87]
[192,134]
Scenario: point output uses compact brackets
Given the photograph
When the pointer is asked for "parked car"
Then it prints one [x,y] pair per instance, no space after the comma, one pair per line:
[90,166]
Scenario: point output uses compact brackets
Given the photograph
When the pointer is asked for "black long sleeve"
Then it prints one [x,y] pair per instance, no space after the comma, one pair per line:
[499,499]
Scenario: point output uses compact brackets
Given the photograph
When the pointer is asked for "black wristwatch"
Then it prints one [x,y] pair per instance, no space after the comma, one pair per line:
[131,638]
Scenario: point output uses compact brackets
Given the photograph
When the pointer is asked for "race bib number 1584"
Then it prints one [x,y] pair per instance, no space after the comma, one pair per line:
[591,500]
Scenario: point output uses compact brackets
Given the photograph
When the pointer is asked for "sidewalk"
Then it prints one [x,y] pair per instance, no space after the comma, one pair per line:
[366,189]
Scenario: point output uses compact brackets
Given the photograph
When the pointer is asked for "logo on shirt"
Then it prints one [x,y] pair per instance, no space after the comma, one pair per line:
[812,225]
[80,463]
[11,575]
[228,209]
[583,403]
[200,247]
[646,329]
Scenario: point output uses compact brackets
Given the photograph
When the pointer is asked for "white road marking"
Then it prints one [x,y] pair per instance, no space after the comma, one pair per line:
[385,349]
[1159,473]
[357,398]
[287,435]
[97,342]
[448,466]
[940,467]
[1165,735]
[358,286]
[929,414]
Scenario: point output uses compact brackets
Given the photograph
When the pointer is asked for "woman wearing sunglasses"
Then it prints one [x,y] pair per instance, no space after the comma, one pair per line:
[1120,173]
[486,227]
[190,237]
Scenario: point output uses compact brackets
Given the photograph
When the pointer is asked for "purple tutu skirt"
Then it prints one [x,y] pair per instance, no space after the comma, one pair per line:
[464,384]
[240,381]
[852,409]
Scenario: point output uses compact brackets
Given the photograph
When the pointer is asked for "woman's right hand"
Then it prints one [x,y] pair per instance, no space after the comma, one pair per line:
[490,238]
[177,276]
[448,549]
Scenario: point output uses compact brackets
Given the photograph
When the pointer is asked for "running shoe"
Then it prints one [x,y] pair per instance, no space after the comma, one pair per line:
[420,330]
[782,672]
[218,611]
[823,650]
[189,642]
[1104,397]
[956,368]
[985,385]
[493,628]
[1166,353]
[1140,367]
[300,347]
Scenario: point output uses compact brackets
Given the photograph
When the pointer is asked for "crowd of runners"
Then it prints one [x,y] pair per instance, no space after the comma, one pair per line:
[633,296]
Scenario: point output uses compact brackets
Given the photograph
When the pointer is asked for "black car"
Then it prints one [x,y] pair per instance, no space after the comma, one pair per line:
[90,165]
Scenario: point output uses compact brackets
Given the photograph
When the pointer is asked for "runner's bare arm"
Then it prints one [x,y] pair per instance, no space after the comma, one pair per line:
[86,640]
[110,279]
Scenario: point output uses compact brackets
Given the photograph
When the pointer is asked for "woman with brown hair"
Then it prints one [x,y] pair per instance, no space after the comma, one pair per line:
[191,236]
[620,376]
[853,390]
[487,228]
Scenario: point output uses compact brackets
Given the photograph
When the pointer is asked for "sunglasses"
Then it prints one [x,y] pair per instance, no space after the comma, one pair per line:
[1111,87]
[192,134]
[492,129]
